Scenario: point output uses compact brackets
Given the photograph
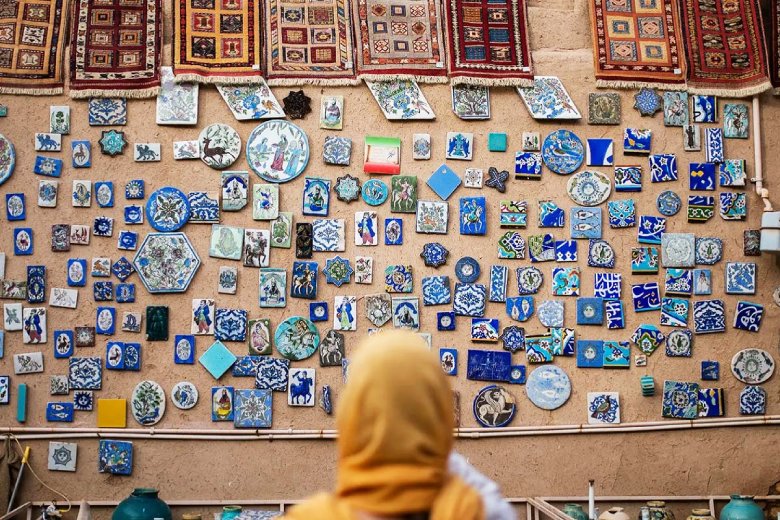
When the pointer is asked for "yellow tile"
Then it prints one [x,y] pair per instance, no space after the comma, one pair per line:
[112,413]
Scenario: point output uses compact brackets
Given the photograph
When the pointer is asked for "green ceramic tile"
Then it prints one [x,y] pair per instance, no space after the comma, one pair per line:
[497,142]
[156,323]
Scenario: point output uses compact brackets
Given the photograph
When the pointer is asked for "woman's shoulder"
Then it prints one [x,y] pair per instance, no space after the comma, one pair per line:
[323,506]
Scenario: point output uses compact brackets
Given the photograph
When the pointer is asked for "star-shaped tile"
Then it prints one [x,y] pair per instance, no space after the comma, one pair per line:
[337,271]
[497,179]
[297,104]
[347,188]
[434,254]
[112,142]
[647,101]
[513,338]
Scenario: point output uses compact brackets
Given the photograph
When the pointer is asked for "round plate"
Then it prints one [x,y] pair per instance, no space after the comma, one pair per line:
[709,250]
[529,279]
[550,313]
[668,203]
[494,406]
[148,403]
[601,253]
[277,151]
[752,366]
[563,152]
[467,270]
[589,188]
[548,387]
[184,395]
[296,338]
[220,146]
[679,342]
[374,192]
[167,209]
[7,158]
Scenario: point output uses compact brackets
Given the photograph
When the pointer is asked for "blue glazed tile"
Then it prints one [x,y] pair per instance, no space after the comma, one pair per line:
[85,373]
[434,254]
[644,260]
[122,268]
[81,154]
[436,290]
[565,250]
[105,321]
[650,229]
[585,222]
[230,325]
[563,341]
[394,231]
[520,308]
[47,166]
[710,370]
[517,375]
[748,316]
[711,403]
[253,408]
[303,283]
[674,312]
[529,279]
[318,311]
[679,281]
[590,353]
[613,310]
[132,356]
[103,291]
[135,189]
[541,248]
[646,297]
[337,150]
[713,145]
[499,277]
[273,374]
[637,141]
[469,299]
[733,206]
[115,457]
[103,226]
[709,316]
[473,218]
[565,281]
[127,241]
[538,349]
[680,400]
[448,357]
[134,215]
[514,214]
[511,245]
[622,213]
[488,365]
[601,254]
[679,343]
[15,207]
[217,359]
[647,338]
[741,278]
[104,194]
[705,109]
[445,321]
[628,178]
[608,285]
[528,165]
[497,142]
[444,181]
[484,330]
[599,152]
[59,412]
[550,215]
[246,366]
[617,354]
[513,338]
[752,401]
[36,283]
[83,400]
[222,401]
[590,311]
[732,173]
[125,292]
[23,241]
[663,167]
[316,196]
[184,349]
[701,177]
[63,344]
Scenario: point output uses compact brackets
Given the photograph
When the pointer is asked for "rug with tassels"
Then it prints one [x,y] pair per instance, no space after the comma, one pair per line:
[637,43]
[488,42]
[725,47]
[773,34]
[217,41]
[308,42]
[400,40]
[32,42]
[115,48]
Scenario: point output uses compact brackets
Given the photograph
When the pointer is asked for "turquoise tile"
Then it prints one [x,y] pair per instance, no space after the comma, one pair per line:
[497,142]
[217,359]
[444,181]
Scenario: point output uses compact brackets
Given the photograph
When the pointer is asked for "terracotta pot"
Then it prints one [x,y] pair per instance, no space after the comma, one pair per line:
[614,513]
[575,511]
[741,507]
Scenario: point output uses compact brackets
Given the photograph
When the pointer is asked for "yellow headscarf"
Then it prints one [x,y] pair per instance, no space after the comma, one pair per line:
[395,420]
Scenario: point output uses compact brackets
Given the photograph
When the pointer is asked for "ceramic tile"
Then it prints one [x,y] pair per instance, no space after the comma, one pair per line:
[674,312]
[628,178]
[471,101]
[675,108]
[733,206]
[513,338]
[646,297]
[469,299]
[601,254]
[337,150]
[736,122]
[406,312]
[565,250]
[487,365]
[436,290]
[302,387]
[497,142]
[253,408]
[604,108]
[748,316]
[608,285]
[709,316]
[538,349]
[529,279]
[445,321]
[551,313]
[713,145]
[328,235]
[585,222]
[711,402]
[621,213]
[550,215]
[528,165]
[548,99]
[316,196]
[702,177]
[615,316]
[432,217]
[484,330]
[679,343]
[421,147]
[752,401]
[702,282]
[520,308]
[603,408]
[617,354]
[217,359]
[679,281]
[344,313]
[647,338]
[678,249]
[184,349]
[637,141]
[303,283]
[565,281]
[444,181]
[710,370]
[704,108]
[499,276]
[691,138]
[272,374]
[473,218]
[115,457]
[663,167]
[83,400]
[680,400]
[590,311]
[511,245]
[650,229]
[741,277]
[599,152]
[590,353]
[732,173]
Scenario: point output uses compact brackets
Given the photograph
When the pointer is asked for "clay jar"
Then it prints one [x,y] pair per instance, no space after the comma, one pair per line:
[614,513]
[741,507]
[658,510]
[142,504]
[700,514]
[575,511]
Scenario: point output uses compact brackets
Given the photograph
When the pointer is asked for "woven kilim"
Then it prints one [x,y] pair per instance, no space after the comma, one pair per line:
[32,39]
[217,41]
[115,48]
[403,40]
[636,43]
[488,42]
[773,21]
[308,42]
[725,47]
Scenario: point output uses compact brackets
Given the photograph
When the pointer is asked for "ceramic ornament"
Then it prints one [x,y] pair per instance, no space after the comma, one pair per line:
[589,188]
[494,406]
[753,366]
[548,387]
[220,146]
[277,151]
[148,403]
[563,152]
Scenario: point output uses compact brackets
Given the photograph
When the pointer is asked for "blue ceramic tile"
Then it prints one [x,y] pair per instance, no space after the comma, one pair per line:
[217,359]
[679,281]
[497,142]
[122,269]
[601,254]
[15,206]
[663,167]
[590,311]
[613,310]
[230,324]
[647,338]
[628,178]
[585,222]
[617,354]
[566,251]
[520,308]
[517,375]
[709,316]
[394,231]
[608,285]
[511,245]
[337,150]
[711,403]
[132,356]
[103,291]
[273,374]
[85,373]
[246,366]
[528,165]
[104,194]
[733,206]
[23,241]
[565,281]
[135,189]
[63,344]
[702,282]
[701,208]
[318,311]
[125,292]
[650,229]
[36,283]
[644,260]
[473,218]
[752,401]
[704,109]
[469,299]
[134,215]
[590,353]
[115,359]
[105,321]
[127,241]
[514,214]
[541,248]
[253,408]
[550,215]
[564,342]
[680,400]
[484,330]
[115,457]
[81,154]
[741,278]
[103,226]
[637,141]
[713,145]
[538,349]
[59,412]
[599,152]
[448,357]
[513,338]
[303,283]
[732,172]
[499,276]
[646,297]
[701,177]
[436,290]
[222,401]
[444,181]
[748,316]
[488,365]
[83,400]
[316,196]
[184,349]
[622,213]
[47,166]
[445,321]
[710,370]
[674,312]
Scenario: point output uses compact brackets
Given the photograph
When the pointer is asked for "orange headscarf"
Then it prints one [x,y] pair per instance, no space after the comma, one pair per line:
[395,420]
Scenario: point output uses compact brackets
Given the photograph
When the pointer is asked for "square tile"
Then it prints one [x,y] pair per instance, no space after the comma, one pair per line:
[590,353]
[628,178]
[675,108]
[732,173]
[608,285]
[650,229]
[541,248]
[184,349]
[617,354]
[741,278]
[709,316]
[222,403]
[445,321]
[601,254]
[460,145]
[59,412]
[748,316]
[538,349]
[550,215]
[497,142]
[565,281]
[432,217]
[590,311]
[711,402]
[444,181]
[679,343]
[217,359]
[565,250]
[469,299]
[436,290]
[337,150]
[603,408]
[710,370]
[111,413]
[563,341]
[484,330]
[674,312]
[678,249]
[473,177]
[663,167]
[701,208]
[733,206]
[531,141]
[115,457]
[646,297]
[528,165]
[585,222]
[679,281]
[680,400]
[736,121]
[752,400]
[329,235]
[621,213]
[83,400]
[272,374]
[253,408]
[85,373]
[599,152]
[701,177]
[637,141]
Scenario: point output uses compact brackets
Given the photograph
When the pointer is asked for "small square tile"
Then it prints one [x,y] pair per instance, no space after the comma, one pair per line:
[83,400]
[445,321]
[711,402]
[674,312]
[613,310]
[531,141]
[550,215]
[538,349]
[565,281]
[565,250]
[679,342]
[528,165]
[752,400]
[485,330]
[663,167]
[603,108]
[253,408]
[622,213]
[617,354]
[637,141]
[680,400]
[585,222]
[599,152]
[628,178]
[448,358]
[701,177]
[748,316]
[650,229]
[111,413]
[541,248]
[601,254]
[678,281]
[709,316]
[436,290]
[217,359]
[590,311]
[115,457]
[230,324]
[497,142]
[473,177]
[646,297]
[701,208]
[710,370]
[337,150]
[741,278]
[733,206]
[469,299]
[318,311]
[460,145]
[590,353]
[603,408]
[732,173]
[678,249]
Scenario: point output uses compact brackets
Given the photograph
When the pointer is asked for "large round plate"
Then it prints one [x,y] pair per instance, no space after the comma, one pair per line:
[494,406]
[184,395]
[296,338]
[7,158]
[752,366]
[220,146]
[277,151]
[563,152]
[589,188]
[548,387]
[148,403]
[168,209]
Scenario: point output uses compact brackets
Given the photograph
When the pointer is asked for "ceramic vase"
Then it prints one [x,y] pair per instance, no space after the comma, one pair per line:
[614,513]
[658,510]
[575,511]
[230,512]
[142,504]
[700,514]
[741,507]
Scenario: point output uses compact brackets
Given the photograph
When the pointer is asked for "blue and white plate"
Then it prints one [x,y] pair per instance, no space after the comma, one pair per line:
[184,395]
[7,158]
[494,407]
[563,152]
[374,192]
[168,209]
[467,270]
[548,387]
[277,151]
[668,203]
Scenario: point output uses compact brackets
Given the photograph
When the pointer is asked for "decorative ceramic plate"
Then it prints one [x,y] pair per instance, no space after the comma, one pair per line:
[148,403]
[184,395]
[296,338]
[166,262]
[494,406]
[220,146]
[709,250]
[529,279]
[752,366]
[7,158]
[467,270]
[548,387]
[168,209]
[668,203]
[374,192]
[563,152]
[277,151]
[589,188]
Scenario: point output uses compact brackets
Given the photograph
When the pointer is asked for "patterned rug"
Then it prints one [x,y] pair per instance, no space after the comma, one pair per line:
[217,41]
[402,39]
[308,42]
[32,39]
[488,42]
[773,21]
[115,48]
[725,47]
[636,43]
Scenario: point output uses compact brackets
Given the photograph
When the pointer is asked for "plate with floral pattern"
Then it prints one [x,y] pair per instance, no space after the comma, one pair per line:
[168,209]
[148,403]
[668,203]
[753,366]
[589,188]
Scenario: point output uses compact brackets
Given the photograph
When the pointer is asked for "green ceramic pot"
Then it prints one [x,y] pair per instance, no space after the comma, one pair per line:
[741,507]
[230,512]
[142,504]
[575,511]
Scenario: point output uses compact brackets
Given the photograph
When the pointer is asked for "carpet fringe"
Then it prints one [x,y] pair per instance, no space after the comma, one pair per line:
[411,77]
[139,93]
[21,91]
[730,92]
[216,80]
[319,82]
[493,82]
[620,84]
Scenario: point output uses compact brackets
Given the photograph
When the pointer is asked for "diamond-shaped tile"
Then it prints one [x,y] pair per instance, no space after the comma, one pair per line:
[217,359]
[444,181]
